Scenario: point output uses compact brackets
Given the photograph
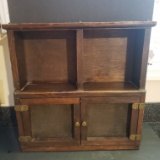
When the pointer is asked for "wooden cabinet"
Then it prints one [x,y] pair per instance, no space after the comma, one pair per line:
[79,86]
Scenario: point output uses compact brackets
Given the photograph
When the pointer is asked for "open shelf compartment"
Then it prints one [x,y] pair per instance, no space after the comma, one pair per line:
[112,59]
[46,60]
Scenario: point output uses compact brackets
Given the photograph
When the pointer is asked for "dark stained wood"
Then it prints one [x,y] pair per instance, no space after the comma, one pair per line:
[20,124]
[76,114]
[80,59]
[28,147]
[21,62]
[106,54]
[50,101]
[110,86]
[19,118]
[54,53]
[79,72]
[140,121]
[111,99]
[83,119]
[137,59]
[90,86]
[26,123]
[118,93]
[134,121]
[108,141]
[13,59]
[145,53]
[46,87]
[125,24]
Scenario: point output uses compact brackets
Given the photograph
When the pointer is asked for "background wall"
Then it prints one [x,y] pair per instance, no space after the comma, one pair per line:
[6,84]
[79,10]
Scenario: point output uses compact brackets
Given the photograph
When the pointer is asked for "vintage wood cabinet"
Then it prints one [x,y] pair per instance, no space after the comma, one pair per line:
[79,86]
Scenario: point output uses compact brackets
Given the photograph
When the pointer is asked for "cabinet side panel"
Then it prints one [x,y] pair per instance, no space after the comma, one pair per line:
[13,59]
[21,62]
[141,52]
[145,58]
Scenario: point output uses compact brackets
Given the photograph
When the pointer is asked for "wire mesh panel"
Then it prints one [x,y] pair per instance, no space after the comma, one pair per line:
[108,120]
[51,121]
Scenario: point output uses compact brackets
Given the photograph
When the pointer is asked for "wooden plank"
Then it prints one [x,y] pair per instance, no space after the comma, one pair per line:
[108,141]
[110,86]
[140,120]
[134,121]
[76,117]
[83,119]
[28,147]
[26,123]
[80,59]
[11,43]
[145,54]
[120,99]
[105,55]
[50,56]
[50,101]
[122,24]
[73,94]
[20,124]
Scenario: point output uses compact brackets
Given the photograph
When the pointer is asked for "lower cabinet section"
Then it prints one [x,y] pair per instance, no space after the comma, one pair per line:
[63,124]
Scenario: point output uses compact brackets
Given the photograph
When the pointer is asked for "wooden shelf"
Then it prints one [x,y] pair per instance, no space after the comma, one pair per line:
[48,87]
[71,87]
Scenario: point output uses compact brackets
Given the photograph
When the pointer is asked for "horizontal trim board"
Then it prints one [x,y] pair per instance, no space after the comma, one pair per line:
[79,25]
[78,148]
[50,101]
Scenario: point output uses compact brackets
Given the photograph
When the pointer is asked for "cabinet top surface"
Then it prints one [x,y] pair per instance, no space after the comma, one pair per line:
[79,25]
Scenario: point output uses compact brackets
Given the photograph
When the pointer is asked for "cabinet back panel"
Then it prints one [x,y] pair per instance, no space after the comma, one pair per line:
[51,121]
[50,56]
[108,120]
[107,55]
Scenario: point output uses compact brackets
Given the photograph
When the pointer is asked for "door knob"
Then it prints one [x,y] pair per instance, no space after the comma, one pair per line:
[77,124]
[84,123]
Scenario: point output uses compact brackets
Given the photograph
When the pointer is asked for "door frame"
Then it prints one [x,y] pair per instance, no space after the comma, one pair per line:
[111,140]
[24,123]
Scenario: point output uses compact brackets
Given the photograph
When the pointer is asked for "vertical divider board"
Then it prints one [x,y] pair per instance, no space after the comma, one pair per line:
[79,48]
[83,118]
[76,119]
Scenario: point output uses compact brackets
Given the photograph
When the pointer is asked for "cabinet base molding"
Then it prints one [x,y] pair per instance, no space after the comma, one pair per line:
[79,148]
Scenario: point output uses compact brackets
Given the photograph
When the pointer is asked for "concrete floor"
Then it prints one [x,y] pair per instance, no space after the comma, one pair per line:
[150,149]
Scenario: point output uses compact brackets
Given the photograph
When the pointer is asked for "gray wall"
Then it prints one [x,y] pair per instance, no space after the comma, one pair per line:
[79,10]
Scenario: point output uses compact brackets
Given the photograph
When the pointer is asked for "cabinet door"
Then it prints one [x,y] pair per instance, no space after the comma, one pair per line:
[110,121]
[49,122]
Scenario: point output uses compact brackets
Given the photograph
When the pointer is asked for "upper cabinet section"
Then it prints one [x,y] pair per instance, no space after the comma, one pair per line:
[57,57]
